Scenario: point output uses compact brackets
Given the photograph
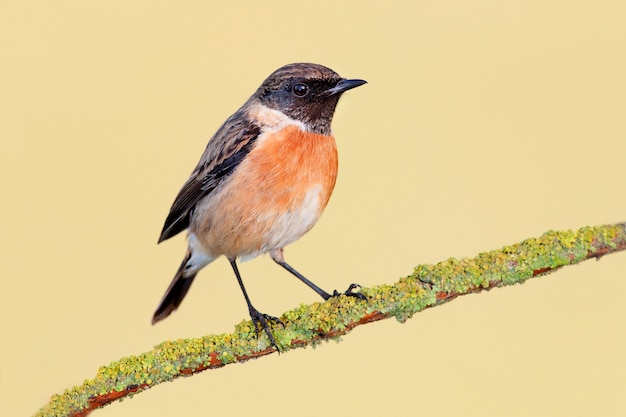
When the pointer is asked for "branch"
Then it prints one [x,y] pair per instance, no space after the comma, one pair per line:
[427,286]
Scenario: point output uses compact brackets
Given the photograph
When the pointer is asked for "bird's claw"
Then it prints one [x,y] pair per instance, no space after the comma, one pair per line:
[262,320]
[350,293]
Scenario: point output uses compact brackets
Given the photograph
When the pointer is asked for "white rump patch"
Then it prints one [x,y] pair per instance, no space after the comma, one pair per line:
[199,258]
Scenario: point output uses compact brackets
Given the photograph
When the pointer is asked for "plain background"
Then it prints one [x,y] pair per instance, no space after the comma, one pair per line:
[483,123]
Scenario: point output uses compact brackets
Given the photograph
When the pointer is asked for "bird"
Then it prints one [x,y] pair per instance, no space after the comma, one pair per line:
[262,182]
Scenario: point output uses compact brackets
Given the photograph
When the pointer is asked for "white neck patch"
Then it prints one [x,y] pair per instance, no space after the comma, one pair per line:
[273,119]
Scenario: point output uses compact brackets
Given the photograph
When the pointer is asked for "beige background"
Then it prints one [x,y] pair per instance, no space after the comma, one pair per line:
[483,123]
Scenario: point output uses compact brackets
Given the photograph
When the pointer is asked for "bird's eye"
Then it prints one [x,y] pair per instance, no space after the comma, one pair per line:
[300,90]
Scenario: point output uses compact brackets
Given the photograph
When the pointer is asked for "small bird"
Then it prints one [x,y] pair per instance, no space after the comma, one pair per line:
[262,182]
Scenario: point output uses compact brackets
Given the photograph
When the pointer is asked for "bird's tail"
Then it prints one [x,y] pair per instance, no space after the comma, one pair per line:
[176,291]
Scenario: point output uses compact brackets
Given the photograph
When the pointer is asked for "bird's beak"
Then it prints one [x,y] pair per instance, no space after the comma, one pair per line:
[345,85]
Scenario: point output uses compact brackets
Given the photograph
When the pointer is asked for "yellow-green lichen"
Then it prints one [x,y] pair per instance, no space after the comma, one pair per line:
[308,324]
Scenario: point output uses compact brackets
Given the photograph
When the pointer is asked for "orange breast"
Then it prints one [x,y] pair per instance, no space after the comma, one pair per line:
[274,196]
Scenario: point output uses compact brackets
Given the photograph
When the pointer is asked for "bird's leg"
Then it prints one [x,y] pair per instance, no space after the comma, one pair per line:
[277,256]
[259,319]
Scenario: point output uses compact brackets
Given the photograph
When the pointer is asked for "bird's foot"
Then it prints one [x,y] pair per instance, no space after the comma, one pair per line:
[350,292]
[263,320]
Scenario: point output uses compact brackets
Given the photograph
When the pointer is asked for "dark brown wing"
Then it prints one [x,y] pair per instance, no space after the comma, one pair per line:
[225,151]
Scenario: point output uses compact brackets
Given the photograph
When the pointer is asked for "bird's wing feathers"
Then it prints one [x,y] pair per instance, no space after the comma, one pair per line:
[225,151]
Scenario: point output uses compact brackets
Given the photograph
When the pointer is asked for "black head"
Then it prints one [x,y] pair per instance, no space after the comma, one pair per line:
[305,92]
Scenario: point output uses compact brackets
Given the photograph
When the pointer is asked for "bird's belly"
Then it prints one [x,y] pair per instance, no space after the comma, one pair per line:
[287,226]
[272,199]
[256,223]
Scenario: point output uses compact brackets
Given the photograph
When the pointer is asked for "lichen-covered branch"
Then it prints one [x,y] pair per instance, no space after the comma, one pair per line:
[427,286]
